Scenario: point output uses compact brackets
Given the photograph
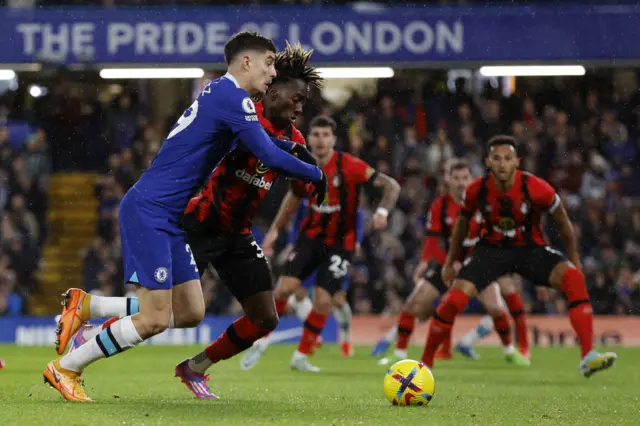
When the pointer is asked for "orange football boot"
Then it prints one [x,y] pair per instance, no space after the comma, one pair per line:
[68,383]
[74,314]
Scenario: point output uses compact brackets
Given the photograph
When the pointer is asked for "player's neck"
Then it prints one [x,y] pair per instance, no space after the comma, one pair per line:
[323,161]
[458,200]
[241,80]
[506,185]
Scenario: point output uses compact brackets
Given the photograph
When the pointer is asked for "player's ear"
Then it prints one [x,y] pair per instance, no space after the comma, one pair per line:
[272,93]
[246,62]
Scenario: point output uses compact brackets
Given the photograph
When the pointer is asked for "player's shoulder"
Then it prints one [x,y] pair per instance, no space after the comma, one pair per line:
[475,185]
[227,95]
[536,183]
[352,160]
[296,136]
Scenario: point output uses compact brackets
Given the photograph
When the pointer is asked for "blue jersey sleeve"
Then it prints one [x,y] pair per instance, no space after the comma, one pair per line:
[238,112]
[360,226]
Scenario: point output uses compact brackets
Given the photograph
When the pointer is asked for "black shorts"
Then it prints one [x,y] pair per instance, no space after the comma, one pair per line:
[488,263]
[332,264]
[238,259]
[433,275]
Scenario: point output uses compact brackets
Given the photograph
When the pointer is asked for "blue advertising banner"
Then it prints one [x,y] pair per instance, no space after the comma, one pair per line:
[40,331]
[404,35]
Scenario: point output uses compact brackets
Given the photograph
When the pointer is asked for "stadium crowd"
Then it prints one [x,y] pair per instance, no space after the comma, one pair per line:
[580,134]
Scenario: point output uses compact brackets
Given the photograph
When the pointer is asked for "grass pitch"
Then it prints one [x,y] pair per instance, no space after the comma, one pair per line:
[138,388]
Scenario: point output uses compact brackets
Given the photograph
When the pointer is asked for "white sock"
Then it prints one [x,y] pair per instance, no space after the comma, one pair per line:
[509,349]
[483,329]
[91,332]
[200,363]
[391,335]
[118,337]
[100,306]
[343,316]
[400,353]
[303,308]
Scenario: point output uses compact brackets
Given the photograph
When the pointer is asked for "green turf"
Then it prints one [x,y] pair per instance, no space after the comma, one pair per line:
[137,388]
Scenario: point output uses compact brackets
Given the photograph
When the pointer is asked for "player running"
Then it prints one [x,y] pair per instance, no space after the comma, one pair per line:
[300,302]
[328,234]
[512,203]
[156,255]
[443,213]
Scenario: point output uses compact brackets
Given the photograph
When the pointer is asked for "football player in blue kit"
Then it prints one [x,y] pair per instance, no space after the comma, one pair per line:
[156,256]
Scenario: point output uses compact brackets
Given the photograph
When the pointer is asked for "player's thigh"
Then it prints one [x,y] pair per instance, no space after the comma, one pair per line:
[537,263]
[340,298]
[332,270]
[507,284]
[303,260]
[244,269]
[420,301]
[491,299]
[485,265]
[146,252]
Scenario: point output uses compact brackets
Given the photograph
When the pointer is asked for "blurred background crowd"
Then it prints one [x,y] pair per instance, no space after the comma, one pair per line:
[581,134]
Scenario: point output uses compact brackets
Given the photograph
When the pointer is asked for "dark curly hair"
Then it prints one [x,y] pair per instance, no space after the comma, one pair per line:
[291,64]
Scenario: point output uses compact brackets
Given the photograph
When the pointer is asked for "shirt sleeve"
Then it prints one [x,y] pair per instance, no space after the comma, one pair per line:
[359,170]
[544,195]
[236,110]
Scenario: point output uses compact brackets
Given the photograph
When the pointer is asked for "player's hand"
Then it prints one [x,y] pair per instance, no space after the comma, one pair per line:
[303,154]
[379,222]
[456,267]
[419,271]
[448,274]
[268,242]
[320,191]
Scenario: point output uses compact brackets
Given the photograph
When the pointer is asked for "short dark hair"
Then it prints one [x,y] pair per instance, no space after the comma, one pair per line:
[499,140]
[291,64]
[324,121]
[247,40]
[457,164]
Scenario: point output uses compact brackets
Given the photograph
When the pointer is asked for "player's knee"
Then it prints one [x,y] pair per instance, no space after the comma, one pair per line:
[268,322]
[340,298]
[465,286]
[191,318]
[155,323]
[286,287]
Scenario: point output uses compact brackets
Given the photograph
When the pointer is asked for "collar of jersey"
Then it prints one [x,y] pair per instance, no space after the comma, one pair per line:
[232,78]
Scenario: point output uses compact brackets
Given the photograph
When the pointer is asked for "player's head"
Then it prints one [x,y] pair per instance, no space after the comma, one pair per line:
[458,176]
[290,89]
[502,157]
[322,136]
[251,59]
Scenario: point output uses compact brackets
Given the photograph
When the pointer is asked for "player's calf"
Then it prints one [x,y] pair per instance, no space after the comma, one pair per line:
[187,305]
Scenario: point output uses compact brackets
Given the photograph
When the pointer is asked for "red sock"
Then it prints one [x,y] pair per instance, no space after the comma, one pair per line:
[237,337]
[580,312]
[108,322]
[281,306]
[312,328]
[406,323]
[442,323]
[516,309]
[446,345]
[503,328]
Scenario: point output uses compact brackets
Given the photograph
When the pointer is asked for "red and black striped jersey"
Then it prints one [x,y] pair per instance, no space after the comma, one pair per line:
[512,218]
[442,217]
[334,222]
[236,187]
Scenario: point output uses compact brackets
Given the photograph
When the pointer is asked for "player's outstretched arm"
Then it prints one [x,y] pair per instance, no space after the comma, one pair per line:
[565,229]
[259,143]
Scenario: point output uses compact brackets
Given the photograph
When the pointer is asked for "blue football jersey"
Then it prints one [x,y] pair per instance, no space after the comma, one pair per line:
[206,132]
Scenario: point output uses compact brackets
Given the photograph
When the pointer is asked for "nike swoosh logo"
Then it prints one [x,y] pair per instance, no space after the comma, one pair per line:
[55,376]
